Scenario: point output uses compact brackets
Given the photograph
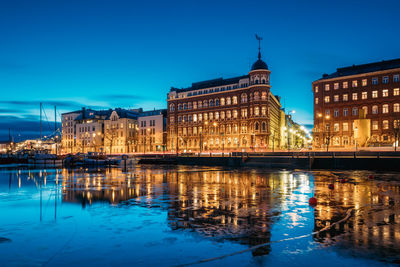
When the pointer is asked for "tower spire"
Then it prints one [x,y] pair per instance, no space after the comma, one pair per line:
[259,46]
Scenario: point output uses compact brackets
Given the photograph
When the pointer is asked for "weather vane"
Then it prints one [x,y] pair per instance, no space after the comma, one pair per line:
[259,45]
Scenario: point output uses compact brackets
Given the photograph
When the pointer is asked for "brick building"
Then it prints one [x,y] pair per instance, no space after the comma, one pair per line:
[225,114]
[357,106]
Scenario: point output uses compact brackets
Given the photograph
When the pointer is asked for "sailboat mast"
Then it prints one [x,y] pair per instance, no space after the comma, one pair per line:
[40,120]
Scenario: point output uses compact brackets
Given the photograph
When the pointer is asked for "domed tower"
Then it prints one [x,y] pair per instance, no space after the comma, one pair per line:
[259,73]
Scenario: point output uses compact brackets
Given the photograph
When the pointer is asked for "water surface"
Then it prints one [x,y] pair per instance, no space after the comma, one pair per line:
[166,216]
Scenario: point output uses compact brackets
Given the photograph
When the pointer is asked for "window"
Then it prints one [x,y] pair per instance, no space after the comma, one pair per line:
[327,87]
[336,113]
[257,111]
[194,117]
[385,92]
[263,110]
[374,81]
[345,85]
[327,112]
[179,107]
[316,100]
[316,89]
[211,103]
[336,127]
[172,107]
[264,95]
[222,114]
[375,109]
[345,126]
[385,79]
[364,82]
[244,112]
[228,100]
[354,96]
[336,86]
[354,83]
[396,78]
[211,115]
[396,91]
[327,99]
[194,105]
[243,98]
[205,116]
[184,106]
[336,98]
[200,117]
[385,124]
[345,111]
[365,109]
[385,108]
[374,94]
[345,97]
[222,101]
[217,115]
[396,107]
[355,111]
[228,114]
[200,104]
[235,113]
[179,119]
[364,95]
[234,100]
[374,125]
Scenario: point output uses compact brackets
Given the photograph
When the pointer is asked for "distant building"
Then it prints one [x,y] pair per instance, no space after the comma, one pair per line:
[113,131]
[152,131]
[358,106]
[225,114]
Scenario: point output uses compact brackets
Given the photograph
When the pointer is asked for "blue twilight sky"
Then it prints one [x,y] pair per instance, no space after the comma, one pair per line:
[129,53]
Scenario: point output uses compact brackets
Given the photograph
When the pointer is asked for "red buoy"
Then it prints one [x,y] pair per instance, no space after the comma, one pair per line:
[343,180]
[331,186]
[312,201]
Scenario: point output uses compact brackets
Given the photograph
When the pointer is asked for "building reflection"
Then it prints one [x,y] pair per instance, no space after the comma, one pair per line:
[374,231]
[217,204]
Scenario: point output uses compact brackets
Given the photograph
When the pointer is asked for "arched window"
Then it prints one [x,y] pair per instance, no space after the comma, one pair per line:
[375,109]
[365,109]
[211,103]
[385,108]
[217,102]
[263,81]
[184,106]
[243,98]
[256,126]
[256,96]
[222,101]
[396,107]
[172,107]
[234,100]
[263,126]
[205,103]
[264,95]
[228,100]
[179,107]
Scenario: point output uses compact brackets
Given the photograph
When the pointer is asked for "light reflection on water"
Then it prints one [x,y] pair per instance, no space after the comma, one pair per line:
[172,215]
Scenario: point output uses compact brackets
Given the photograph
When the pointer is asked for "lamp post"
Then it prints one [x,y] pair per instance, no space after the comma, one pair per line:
[328,137]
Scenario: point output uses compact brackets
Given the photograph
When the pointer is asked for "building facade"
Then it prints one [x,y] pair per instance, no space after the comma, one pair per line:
[357,106]
[152,127]
[225,114]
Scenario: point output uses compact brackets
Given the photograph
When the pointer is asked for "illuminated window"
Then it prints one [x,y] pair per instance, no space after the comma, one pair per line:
[396,91]
[244,112]
[345,85]
[316,89]
[385,124]
[364,95]
[365,109]
[396,107]
[345,126]
[200,117]
[228,114]
[374,125]
[316,100]
[235,114]
[354,83]
[374,94]
[327,87]
[364,82]
[194,117]
[234,100]
[257,110]
[194,105]
[222,114]
[385,108]
[263,110]
[345,97]
[336,86]
[327,99]
[243,98]
[222,101]
[354,96]
[336,98]
[217,115]
[385,92]
[375,109]
[228,100]
[336,127]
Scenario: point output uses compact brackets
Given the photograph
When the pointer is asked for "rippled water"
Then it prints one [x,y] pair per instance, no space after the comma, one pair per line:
[166,216]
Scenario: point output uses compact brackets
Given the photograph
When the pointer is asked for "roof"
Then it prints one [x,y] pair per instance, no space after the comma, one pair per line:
[259,65]
[364,68]
[210,83]
[153,112]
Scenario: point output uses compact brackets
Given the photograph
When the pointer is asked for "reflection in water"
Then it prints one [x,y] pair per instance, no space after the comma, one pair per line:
[243,207]
[375,230]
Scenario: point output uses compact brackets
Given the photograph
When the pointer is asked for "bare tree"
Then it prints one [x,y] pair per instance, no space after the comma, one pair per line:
[111,134]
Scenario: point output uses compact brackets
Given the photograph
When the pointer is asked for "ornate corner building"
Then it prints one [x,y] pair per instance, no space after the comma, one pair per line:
[225,114]
[358,106]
